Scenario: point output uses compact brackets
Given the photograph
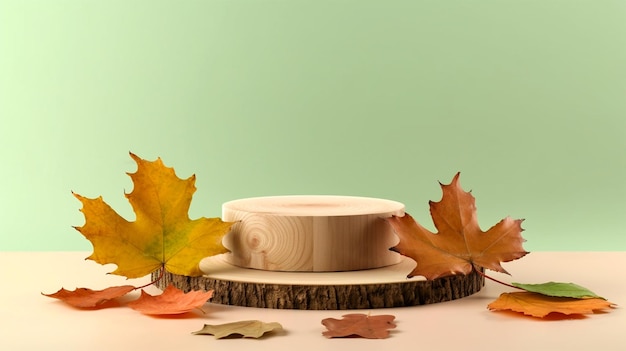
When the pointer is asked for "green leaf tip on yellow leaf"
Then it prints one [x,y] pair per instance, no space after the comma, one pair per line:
[162,234]
[559,289]
[246,329]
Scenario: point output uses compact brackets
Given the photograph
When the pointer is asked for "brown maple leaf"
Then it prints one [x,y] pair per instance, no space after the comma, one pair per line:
[358,324]
[539,305]
[171,301]
[460,245]
[88,298]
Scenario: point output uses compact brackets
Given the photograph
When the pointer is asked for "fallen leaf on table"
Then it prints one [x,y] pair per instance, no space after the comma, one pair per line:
[559,290]
[88,298]
[246,329]
[358,324]
[460,245]
[171,301]
[162,234]
[538,305]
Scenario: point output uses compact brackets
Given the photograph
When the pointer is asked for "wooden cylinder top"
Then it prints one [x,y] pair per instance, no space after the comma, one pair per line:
[311,232]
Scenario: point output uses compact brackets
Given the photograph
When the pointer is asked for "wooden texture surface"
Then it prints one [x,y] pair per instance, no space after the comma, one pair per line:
[311,233]
[383,287]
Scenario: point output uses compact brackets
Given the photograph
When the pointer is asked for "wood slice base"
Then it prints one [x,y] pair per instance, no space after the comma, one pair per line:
[383,287]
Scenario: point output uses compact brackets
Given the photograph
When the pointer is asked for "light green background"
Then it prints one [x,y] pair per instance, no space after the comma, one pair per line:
[371,98]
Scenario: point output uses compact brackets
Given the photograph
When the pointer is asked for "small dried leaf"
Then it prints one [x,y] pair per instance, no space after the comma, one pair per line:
[539,305]
[171,301]
[358,324]
[247,329]
[87,298]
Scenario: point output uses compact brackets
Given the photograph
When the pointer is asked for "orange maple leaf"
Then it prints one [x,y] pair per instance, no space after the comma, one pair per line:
[539,305]
[460,245]
[359,324]
[162,235]
[88,298]
[171,301]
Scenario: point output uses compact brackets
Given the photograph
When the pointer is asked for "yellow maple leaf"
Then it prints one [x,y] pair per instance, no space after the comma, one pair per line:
[162,234]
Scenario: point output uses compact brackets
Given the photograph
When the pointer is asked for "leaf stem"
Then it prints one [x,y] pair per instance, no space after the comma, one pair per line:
[161,274]
[496,280]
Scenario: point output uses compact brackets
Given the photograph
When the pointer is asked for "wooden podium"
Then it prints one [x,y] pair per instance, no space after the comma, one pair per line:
[316,253]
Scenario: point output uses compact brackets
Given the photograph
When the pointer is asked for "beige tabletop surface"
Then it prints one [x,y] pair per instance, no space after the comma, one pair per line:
[31,321]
